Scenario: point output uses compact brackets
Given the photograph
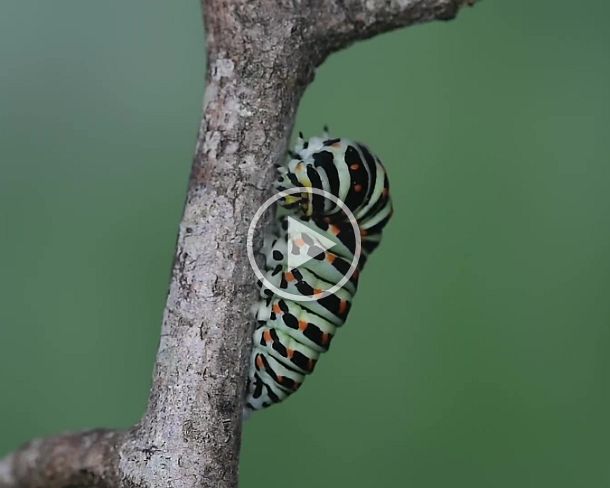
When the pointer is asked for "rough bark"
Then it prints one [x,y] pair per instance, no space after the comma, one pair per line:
[261,56]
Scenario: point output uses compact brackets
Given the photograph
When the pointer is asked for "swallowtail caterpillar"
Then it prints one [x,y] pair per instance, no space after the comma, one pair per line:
[291,335]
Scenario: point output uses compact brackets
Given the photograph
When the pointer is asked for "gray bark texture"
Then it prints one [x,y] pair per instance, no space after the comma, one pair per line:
[261,56]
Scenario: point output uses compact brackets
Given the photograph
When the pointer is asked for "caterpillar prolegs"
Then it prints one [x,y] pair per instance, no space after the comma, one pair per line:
[291,334]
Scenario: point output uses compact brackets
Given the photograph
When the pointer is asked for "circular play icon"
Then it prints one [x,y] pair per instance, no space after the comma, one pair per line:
[303,242]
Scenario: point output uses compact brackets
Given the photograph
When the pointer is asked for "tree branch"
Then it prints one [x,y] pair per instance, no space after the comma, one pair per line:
[261,56]
[86,459]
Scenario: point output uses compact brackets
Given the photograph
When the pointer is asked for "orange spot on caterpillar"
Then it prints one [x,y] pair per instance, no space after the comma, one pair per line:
[276,308]
[267,336]
[334,230]
[259,362]
[318,291]
[290,353]
[354,167]
[363,232]
[342,306]
[302,325]
[325,338]
[330,257]
[289,276]
[280,378]
[299,242]
[357,188]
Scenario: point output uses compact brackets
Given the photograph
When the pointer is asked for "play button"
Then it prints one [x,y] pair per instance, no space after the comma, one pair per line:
[304,244]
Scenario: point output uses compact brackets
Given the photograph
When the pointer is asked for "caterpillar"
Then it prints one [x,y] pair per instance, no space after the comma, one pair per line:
[291,334]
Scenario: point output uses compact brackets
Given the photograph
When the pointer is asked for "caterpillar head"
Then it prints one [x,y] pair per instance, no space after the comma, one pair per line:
[303,170]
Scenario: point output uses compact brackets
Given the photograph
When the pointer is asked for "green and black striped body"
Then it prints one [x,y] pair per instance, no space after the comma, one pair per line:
[291,334]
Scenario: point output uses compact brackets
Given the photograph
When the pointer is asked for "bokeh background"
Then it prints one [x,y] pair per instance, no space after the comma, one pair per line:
[477,353]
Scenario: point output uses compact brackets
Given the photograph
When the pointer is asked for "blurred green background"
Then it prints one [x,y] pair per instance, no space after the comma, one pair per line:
[477,353]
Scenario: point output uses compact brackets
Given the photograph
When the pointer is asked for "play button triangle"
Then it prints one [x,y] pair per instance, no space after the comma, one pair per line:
[304,243]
